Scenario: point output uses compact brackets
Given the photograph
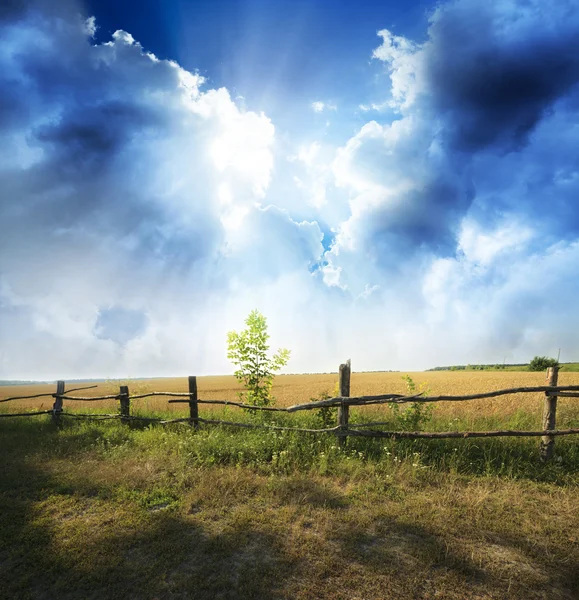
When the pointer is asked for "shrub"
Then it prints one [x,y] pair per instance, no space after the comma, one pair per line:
[541,363]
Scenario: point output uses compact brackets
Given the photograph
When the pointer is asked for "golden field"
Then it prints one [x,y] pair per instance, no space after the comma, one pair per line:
[295,389]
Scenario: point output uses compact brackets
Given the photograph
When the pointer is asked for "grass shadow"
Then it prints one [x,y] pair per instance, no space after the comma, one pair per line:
[63,537]
[415,562]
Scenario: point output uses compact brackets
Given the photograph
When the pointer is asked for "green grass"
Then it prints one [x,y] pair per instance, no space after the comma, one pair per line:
[104,510]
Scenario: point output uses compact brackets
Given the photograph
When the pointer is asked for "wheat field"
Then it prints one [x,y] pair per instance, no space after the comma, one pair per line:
[296,389]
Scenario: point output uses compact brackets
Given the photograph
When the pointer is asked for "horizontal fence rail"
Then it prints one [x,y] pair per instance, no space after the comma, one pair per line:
[401,399]
[88,387]
[343,428]
[233,403]
[459,434]
[27,414]
[27,397]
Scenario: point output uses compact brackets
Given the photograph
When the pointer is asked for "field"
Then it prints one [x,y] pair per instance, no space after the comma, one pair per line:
[296,389]
[103,510]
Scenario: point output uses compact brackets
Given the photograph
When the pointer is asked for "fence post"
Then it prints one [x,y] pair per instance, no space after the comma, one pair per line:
[125,402]
[549,416]
[193,404]
[57,406]
[344,409]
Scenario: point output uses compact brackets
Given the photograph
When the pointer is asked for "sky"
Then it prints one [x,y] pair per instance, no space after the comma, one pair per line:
[391,182]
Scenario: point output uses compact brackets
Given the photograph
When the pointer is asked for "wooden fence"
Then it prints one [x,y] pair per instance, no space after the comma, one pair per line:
[343,428]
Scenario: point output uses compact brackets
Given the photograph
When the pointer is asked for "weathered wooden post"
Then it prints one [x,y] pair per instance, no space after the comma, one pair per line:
[549,416]
[193,404]
[344,409]
[125,402]
[57,406]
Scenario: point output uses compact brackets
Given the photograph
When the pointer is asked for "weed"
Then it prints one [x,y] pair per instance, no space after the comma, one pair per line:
[326,416]
[418,414]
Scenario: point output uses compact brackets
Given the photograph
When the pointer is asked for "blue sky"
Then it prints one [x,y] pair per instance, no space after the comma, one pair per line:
[392,182]
[276,55]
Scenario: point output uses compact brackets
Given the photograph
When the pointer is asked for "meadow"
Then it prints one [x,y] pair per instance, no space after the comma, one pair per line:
[104,510]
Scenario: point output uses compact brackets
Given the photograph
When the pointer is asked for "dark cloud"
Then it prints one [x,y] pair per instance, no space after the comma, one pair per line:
[13,9]
[488,121]
[396,234]
[537,185]
[88,138]
[494,69]
[13,111]
[89,119]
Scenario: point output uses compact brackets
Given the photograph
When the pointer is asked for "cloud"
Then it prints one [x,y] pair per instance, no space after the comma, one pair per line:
[514,62]
[464,126]
[271,244]
[448,202]
[373,106]
[148,213]
[119,324]
[537,183]
[500,307]
[319,106]
[407,199]
[114,163]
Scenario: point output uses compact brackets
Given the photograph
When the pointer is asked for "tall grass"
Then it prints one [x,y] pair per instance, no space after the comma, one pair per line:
[271,452]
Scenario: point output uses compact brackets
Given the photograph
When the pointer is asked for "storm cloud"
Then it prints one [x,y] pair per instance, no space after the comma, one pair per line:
[494,70]
[486,115]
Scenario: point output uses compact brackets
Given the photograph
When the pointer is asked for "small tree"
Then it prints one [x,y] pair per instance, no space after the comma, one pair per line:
[247,350]
[540,363]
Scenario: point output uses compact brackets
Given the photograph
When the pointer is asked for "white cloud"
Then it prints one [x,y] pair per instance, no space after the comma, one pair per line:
[319,106]
[90,26]
[243,143]
[483,247]
[331,276]
[374,106]
[404,60]
[308,154]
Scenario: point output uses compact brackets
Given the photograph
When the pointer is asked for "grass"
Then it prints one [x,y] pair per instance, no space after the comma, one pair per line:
[103,510]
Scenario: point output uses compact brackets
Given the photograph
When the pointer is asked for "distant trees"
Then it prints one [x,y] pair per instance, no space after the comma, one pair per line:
[541,363]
